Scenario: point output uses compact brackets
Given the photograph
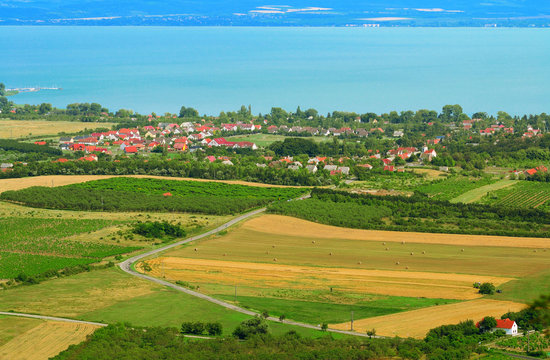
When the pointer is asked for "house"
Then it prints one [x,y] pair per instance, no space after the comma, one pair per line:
[398,133]
[6,166]
[331,168]
[366,166]
[65,140]
[344,170]
[312,168]
[428,155]
[389,168]
[211,158]
[272,129]
[130,149]
[227,162]
[509,326]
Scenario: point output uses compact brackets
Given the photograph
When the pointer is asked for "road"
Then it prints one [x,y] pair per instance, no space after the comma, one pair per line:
[51,318]
[127,266]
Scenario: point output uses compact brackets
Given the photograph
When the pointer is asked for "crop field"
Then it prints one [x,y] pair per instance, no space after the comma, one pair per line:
[112,296]
[33,246]
[453,187]
[22,128]
[523,194]
[12,326]
[476,194]
[298,268]
[61,180]
[265,140]
[132,194]
[417,323]
[534,341]
[44,340]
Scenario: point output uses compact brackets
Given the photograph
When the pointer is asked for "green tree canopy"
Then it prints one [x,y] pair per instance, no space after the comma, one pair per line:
[188,112]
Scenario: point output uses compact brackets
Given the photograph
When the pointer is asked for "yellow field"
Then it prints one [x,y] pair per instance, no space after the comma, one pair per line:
[357,281]
[297,242]
[417,323]
[298,227]
[46,339]
[60,180]
[22,128]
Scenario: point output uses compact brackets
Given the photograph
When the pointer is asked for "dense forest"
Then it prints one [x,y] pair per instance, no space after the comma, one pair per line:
[415,213]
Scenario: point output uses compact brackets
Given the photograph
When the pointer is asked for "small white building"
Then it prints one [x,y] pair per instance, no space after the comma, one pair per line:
[510,326]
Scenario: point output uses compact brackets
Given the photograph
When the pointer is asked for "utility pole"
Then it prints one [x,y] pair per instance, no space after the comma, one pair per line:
[235,292]
[352,320]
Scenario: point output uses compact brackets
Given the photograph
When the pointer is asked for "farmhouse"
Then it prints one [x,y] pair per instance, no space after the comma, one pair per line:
[509,326]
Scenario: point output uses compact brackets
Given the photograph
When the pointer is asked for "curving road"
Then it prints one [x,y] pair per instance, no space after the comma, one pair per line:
[127,266]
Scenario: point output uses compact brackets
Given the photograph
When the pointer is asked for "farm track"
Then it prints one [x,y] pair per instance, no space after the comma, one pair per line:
[127,266]
[52,318]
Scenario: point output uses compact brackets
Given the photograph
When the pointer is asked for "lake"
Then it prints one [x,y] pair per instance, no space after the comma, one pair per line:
[221,68]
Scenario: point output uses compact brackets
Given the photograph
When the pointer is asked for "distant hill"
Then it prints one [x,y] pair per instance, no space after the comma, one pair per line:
[289,13]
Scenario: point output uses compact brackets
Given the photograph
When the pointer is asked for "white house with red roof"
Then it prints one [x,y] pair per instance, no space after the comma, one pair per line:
[509,326]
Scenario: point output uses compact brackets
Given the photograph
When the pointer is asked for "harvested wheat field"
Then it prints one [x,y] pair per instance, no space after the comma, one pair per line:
[22,128]
[357,281]
[417,323]
[45,340]
[60,180]
[297,242]
[293,226]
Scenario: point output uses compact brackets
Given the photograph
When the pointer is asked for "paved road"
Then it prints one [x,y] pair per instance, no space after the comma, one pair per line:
[126,266]
[51,318]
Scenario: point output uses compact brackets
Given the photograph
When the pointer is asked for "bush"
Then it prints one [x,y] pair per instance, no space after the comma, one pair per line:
[159,230]
[487,289]
[193,328]
[214,329]
[248,328]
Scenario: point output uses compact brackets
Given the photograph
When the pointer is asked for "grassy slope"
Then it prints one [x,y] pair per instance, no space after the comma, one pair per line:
[321,312]
[452,187]
[526,289]
[476,194]
[113,296]
[11,327]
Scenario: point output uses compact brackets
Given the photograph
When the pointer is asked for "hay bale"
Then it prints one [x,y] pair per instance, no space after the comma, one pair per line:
[196,249]
[273,246]
[275,259]
[359,262]
[330,254]
[313,242]
[383,243]
[423,252]
[387,249]
[402,243]
[397,263]
[412,253]
[406,268]
[462,250]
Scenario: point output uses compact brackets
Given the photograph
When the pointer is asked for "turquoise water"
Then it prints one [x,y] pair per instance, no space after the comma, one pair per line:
[220,68]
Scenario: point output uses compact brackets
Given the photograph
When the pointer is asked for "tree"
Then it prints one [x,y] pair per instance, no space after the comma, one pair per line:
[214,329]
[451,112]
[324,326]
[265,314]
[2,89]
[250,327]
[487,324]
[188,112]
[282,317]
[371,333]
[44,108]
[487,288]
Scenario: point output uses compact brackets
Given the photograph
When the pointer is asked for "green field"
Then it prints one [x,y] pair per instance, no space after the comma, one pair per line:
[113,296]
[453,187]
[314,312]
[33,246]
[145,194]
[522,194]
[476,194]
[264,140]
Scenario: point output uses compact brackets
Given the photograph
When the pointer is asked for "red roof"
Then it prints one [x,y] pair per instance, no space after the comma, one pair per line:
[40,142]
[531,171]
[505,324]
[167,194]
[386,161]
[388,168]
[130,149]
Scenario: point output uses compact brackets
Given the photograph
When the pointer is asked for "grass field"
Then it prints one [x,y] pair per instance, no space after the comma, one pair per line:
[476,194]
[43,339]
[453,187]
[522,194]
[264,140]
[12,326]
[417,323]
[113,296]
[13,129]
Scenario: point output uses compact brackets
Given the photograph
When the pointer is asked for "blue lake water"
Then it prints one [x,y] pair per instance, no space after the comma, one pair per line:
[220,68]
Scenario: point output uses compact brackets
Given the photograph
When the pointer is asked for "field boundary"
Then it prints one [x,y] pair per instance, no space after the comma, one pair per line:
[51,318]
[128,267]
